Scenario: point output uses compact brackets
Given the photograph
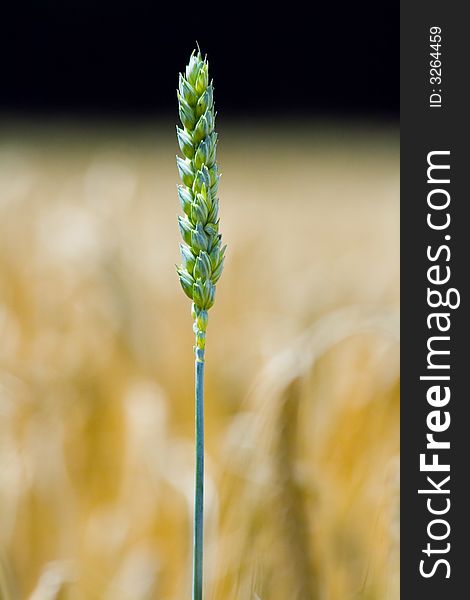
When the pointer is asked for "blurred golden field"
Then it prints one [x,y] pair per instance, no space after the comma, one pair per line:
[96,366]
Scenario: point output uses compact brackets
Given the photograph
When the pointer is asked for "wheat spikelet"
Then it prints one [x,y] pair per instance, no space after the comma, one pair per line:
[201,250]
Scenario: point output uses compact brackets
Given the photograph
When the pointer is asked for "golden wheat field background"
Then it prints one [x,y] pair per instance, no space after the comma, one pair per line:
[96,376]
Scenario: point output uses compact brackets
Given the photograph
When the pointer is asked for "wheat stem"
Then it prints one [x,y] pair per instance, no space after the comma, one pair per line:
[198,540]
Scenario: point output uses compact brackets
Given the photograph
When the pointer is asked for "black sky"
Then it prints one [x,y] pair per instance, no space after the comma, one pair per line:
[94,57]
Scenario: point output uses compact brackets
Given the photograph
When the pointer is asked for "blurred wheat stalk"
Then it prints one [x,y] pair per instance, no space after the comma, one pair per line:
[95,412]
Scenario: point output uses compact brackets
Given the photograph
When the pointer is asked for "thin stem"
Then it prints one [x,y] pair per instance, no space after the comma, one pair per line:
[199,478]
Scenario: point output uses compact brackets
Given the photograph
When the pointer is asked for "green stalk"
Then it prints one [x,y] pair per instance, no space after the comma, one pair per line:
[198,540]
[202,251]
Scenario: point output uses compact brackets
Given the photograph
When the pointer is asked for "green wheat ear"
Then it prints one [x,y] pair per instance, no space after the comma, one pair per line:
[201,250]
